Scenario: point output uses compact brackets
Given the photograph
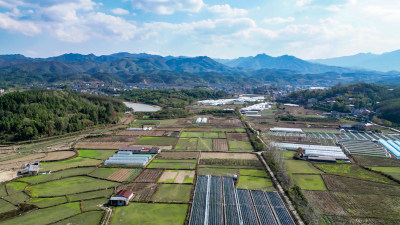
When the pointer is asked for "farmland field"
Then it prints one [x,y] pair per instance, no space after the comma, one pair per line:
[93,217]
[149,175]
[309,182]
[299,166]
[156,141]
[240,146]
[325,203]
[143,191]
[17,198]
[124,175]
[371,161]
[220,145]
[91,194]
[96,154]
[103,172]
[57,175]
[178,155]
[46,202]
[353,171]
[205,144]
[6,206]
[70,163]
[69,185]
[46,216]
[255,183]
[186,144]
[226,172]
[177,176]
[173,164]
[172,193]
[150,213]
[253,173]
[392,171]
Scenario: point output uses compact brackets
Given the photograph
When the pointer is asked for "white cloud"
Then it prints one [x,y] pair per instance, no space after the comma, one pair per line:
[303,3]
[384,13]
[168,7]
[20,26]
[279,20]
[120,11]
[227,11]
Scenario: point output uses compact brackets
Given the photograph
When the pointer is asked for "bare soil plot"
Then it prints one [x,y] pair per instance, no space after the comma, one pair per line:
[351,185]
[121,175]
[237,136]
[59,155]
[142,191]
[225,121]
[115,138]
[365,205]
[18,162]
[149,175]
[102,145]
[325,203]
[178,155]
[220,145]
[7,175]
[215,155]
[177,176]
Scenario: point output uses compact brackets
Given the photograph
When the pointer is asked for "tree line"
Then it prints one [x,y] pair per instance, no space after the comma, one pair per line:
[38,113]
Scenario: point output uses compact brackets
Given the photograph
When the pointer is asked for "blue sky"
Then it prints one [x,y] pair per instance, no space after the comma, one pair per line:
[216,28]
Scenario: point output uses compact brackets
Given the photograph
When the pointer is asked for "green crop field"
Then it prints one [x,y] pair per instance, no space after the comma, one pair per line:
[17,198]
[226,172]
[69,185]
[3,190]
[192,134]
[70,163]
[5,206]
[96,154]
[300,166]
[93,204]
[150,213]
[353,171]
[93,217]
[186,144]
[172,193]
[15,186]
[172,164]
[57,175]
[288,155]
[157,141]
[106,193]
[240,146]
[392,171]
[46,216]
[309,182]
[103,172]
[371,161]
[255,183]
[204,144]
[46,202]
[253,173]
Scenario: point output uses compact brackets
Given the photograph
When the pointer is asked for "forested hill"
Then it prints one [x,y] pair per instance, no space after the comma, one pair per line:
[383,99]
[38,113]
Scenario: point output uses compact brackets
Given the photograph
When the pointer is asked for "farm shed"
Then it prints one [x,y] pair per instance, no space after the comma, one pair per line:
[30,169]
[122,198]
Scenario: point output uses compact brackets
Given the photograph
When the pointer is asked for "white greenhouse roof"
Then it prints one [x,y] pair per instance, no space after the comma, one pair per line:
[284,129]
[291,146]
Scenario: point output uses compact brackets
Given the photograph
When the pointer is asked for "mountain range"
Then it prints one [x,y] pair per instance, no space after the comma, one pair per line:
[388,61]
[146,68]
